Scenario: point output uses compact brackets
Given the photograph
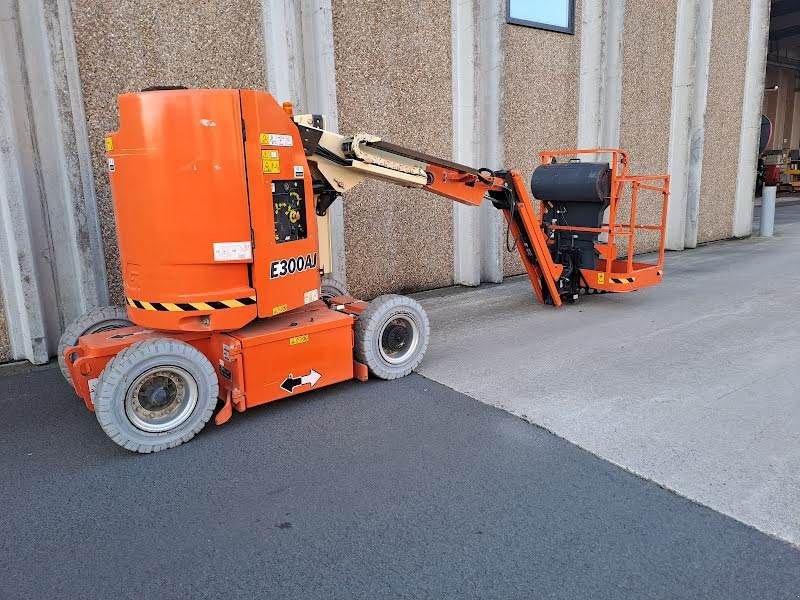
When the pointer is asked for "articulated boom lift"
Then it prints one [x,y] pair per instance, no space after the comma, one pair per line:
[558,248]
[214,195]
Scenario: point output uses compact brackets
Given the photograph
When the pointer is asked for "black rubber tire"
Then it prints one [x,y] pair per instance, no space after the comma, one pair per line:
[333,287]
[123,370]
[102,318]
[369,331]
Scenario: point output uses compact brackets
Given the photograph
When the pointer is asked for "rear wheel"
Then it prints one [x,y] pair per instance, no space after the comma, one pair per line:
[156,394]
[333,287]
[391,336]
[97,320]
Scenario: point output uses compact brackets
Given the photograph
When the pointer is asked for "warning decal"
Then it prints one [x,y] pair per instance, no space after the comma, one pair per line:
[270,161]
[275,139]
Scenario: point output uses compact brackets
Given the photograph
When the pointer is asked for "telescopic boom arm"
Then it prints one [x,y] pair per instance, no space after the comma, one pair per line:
[339,162]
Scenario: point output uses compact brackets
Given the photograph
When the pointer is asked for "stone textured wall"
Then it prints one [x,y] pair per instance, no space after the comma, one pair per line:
[540,99]
[127,45]
[648,47]
[5,349]
[723,119]
[393,79]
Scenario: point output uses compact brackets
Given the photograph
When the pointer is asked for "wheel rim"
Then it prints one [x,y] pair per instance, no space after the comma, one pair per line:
[161,398]
[398,339]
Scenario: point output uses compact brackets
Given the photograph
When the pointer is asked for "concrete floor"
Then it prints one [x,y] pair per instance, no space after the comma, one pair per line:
[694,384]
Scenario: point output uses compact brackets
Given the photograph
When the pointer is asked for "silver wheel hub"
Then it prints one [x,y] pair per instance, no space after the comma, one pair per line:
[398,339]
[161,398]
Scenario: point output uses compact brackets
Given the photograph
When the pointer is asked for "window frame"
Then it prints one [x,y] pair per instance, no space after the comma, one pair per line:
[569,29]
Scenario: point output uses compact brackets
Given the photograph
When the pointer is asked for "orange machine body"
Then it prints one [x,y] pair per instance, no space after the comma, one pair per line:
[199,179]
[217,230]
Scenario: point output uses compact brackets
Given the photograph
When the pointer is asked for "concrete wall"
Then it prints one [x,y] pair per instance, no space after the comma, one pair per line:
[127,45]
[723,119]
[393,79]
[647,60]
[540,99]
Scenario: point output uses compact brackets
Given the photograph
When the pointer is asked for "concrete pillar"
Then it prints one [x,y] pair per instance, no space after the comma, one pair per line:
[702,54]
[600,79]
[466,219]
[51,260]
[489,67]
[476,72]
[298,35]
[758,35]
[689,89]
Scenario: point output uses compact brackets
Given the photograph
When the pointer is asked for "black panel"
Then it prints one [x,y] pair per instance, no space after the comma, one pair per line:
[289,209]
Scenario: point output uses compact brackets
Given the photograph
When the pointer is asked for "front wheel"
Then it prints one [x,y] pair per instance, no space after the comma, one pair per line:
[391,336]
[156,394]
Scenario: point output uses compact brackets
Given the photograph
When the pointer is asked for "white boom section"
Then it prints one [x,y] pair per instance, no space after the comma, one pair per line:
[367,161]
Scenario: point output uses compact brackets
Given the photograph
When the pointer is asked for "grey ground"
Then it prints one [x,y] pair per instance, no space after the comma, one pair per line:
[403,489]
[693,384]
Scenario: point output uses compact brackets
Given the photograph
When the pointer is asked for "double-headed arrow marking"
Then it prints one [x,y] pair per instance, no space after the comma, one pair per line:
[292,382]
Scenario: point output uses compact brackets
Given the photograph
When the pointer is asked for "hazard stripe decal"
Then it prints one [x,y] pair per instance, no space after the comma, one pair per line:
[192,306]
[623,280]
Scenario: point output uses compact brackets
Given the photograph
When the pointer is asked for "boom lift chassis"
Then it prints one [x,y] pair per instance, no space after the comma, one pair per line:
[251,321]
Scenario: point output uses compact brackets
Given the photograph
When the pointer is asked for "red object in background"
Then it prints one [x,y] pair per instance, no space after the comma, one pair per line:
[772,175]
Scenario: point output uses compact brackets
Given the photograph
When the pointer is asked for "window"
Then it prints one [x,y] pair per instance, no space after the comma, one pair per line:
[555,15]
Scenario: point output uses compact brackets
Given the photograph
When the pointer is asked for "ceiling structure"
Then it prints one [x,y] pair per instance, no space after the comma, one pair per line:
[784,34]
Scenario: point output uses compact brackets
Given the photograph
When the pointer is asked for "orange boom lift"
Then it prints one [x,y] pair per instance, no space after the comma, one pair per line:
[215,195]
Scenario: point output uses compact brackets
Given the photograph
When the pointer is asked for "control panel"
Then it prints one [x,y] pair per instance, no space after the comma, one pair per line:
[289,209]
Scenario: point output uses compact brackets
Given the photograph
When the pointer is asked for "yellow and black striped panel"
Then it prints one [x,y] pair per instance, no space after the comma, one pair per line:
[192,306]
[623,279]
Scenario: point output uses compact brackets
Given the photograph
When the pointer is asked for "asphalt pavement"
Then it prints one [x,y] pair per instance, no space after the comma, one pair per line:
[403,489]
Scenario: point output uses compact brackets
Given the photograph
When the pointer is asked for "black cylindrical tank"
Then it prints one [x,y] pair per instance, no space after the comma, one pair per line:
[572,182]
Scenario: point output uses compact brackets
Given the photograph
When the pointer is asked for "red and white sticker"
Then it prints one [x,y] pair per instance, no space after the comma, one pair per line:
[227,251]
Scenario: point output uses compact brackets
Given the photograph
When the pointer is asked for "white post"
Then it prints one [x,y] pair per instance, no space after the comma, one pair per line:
[767,223]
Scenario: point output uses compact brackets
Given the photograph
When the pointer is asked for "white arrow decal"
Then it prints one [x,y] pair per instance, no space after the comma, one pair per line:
[292,382]
[312,378]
